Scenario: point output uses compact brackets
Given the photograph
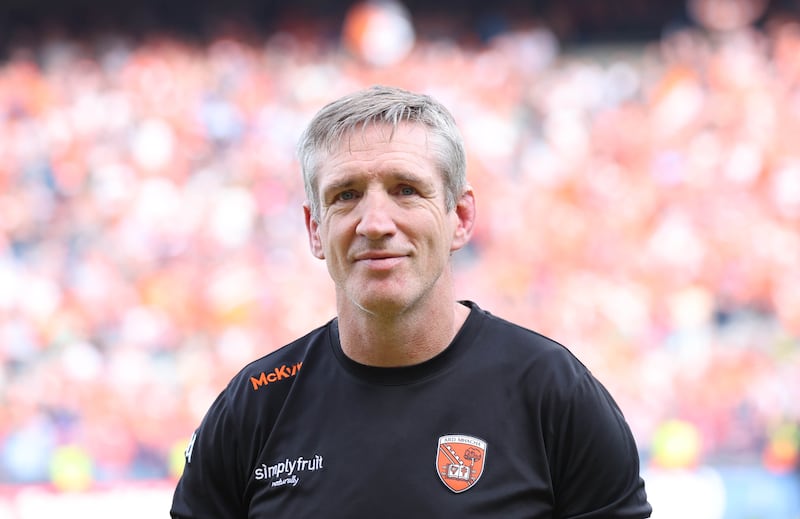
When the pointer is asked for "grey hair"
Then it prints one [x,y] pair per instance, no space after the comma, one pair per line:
[383,105]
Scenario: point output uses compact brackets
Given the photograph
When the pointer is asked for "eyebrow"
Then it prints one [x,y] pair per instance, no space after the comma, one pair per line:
[397,176]
[337,185]
[411,178]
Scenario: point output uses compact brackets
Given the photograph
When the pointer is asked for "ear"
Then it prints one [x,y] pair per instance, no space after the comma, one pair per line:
[312,227]
[465,214]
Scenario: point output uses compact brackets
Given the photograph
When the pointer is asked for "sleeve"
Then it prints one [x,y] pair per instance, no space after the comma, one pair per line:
[596,462]
[211,486]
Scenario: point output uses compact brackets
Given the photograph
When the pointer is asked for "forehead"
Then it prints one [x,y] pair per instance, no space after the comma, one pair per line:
[378,147]
[367,136]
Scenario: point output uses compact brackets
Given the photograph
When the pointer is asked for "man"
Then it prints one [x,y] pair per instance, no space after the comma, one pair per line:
[408,403]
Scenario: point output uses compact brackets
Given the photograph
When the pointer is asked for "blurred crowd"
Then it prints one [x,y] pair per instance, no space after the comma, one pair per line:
[639,203]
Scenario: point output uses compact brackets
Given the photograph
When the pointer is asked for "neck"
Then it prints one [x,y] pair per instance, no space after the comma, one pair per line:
[399,340]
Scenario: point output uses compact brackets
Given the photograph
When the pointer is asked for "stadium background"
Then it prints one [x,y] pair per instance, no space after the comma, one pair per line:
[638,178]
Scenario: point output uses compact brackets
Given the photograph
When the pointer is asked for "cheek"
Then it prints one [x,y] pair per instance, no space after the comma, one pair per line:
[333,240]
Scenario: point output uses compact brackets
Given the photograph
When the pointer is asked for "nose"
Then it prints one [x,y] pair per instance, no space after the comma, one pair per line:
[375,219]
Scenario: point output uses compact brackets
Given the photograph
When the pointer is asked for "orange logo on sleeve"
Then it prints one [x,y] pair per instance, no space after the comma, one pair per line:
[460,460]
[281,373]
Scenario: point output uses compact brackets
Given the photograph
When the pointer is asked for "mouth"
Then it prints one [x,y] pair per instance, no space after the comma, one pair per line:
[379,260]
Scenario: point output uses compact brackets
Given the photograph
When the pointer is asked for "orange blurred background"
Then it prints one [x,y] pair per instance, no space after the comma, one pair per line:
[638,187]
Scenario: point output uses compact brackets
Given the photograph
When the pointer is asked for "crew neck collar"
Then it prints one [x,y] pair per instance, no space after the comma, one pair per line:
[394,376]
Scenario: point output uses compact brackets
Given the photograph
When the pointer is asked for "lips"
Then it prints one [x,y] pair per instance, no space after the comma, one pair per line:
[367,256]
[379,259]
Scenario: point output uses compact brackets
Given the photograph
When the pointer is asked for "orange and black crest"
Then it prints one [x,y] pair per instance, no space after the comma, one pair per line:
[460,460]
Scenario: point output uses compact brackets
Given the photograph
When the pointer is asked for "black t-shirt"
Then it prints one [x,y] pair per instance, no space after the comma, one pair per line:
[504,423]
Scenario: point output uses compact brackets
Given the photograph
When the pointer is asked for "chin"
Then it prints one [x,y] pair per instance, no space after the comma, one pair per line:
[383,305]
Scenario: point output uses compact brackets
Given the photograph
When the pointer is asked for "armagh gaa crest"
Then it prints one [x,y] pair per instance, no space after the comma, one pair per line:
[460,460]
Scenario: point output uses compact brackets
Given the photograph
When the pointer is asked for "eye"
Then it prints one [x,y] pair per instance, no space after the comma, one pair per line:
[407,190]
[346,196]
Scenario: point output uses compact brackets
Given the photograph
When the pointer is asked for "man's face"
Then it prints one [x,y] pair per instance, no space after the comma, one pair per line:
[383,228]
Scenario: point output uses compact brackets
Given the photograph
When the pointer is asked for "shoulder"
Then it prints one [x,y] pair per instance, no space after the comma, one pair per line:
[243,411]
[275,372]
[258,391]
[525,348]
